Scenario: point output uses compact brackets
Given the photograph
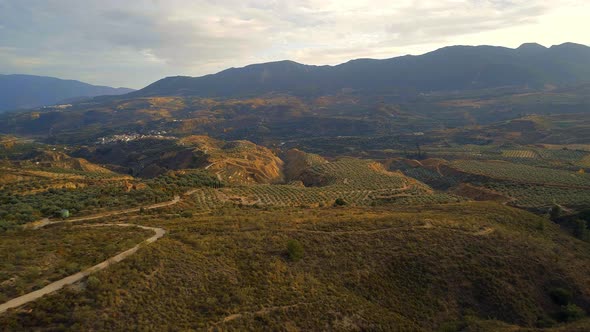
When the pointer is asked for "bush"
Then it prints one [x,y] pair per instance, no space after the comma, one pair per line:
[186,214]
[340,202]
[295,250]
[581,230]
[571,312]
[584,215]
[545,322]
[93,283]
[555,212]
[452,326]
[560,296]
[541,225]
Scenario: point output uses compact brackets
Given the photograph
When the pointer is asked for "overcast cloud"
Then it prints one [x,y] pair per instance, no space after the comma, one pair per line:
[135,42]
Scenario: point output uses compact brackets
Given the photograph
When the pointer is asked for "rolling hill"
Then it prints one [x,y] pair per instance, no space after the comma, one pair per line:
[27,91]
[447,69]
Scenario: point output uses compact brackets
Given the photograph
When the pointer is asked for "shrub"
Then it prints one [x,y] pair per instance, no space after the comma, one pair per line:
[72,267]
[555,212]
[581,230]
[295,250]
[571,312]
[93,283]
[340,202]
[545,322]
[186,214]
[64,214]
[560,296]
[452,326]
[584,215]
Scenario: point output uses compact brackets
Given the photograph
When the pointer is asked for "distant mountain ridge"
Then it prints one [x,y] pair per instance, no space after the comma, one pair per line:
[28,91]
[446,69]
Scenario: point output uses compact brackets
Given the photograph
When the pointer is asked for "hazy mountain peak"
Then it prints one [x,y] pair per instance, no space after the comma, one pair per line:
[448,68]
[532,47]
[573,46]
[18,91]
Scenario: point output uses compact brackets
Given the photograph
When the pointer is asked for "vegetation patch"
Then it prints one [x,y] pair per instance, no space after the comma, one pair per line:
[31,259]
[232,270]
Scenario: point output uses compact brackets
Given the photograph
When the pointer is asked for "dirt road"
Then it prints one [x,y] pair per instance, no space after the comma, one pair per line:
[55,286]
[45,222]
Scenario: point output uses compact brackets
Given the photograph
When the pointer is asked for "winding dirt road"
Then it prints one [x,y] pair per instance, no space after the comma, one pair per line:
[55,286]
[46,222]
[72,279]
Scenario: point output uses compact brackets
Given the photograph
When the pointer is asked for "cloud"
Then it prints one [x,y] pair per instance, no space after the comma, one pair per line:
[133,43]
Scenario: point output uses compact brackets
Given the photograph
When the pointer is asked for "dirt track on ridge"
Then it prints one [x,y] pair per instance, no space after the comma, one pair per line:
[74,278]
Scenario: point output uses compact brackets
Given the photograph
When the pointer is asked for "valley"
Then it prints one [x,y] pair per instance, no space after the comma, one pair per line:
[348,205]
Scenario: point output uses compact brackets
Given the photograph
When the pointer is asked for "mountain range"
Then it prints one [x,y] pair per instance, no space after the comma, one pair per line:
[446,69]
[453,68]
[27,91]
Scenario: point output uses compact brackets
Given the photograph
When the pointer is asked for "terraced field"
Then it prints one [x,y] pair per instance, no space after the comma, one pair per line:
[522,184]
[545,154]
[33,180]
[205,199]
[532,155]
[354,173]
[519,154]
[431,177]
[534,196]
[356,182]
[29,194]
[563,154]
[523,173]
[238,162]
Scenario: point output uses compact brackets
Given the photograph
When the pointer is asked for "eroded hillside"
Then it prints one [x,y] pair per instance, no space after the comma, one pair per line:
[238,162]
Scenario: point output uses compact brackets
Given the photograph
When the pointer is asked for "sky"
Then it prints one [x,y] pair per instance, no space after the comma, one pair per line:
[133,43]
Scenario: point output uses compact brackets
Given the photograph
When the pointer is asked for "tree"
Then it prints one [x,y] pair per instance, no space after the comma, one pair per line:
[64,213]
[560,296]
[541,225]
[555,212]
[581,230]
[340,202]
[93,283]
[571,312]
[295,250]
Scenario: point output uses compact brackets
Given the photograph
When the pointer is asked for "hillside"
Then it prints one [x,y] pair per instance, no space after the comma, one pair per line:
[238,162]
[459,267]
[446,69]
[442,192]
[51,159]
[307,242]
[295,166]
[27,91]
